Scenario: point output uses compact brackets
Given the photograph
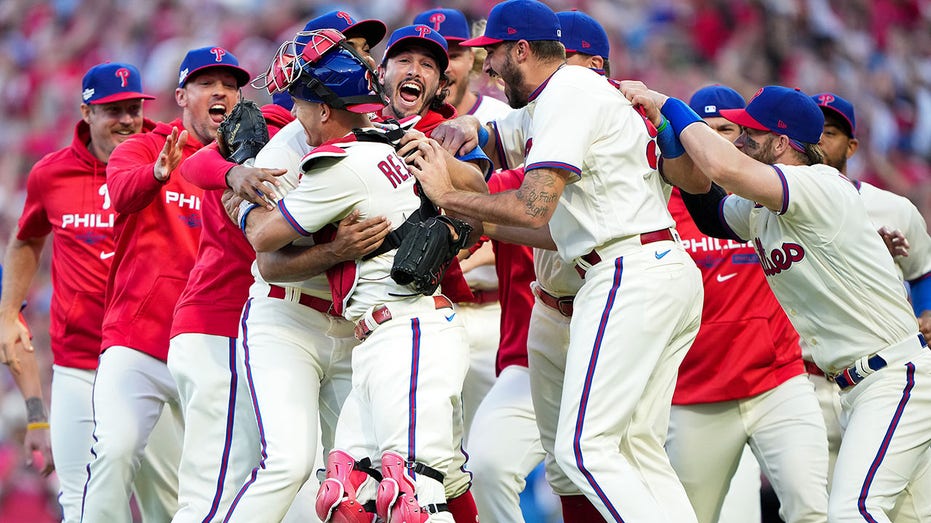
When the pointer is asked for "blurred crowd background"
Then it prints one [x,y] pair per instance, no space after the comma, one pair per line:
[876,53]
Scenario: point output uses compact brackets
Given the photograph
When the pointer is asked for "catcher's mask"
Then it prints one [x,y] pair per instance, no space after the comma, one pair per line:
[326,70]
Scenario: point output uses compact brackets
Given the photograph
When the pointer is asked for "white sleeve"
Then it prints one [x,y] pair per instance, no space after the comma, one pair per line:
[918,261]
[326,194]
[735,211]
[564,124]
[510,137]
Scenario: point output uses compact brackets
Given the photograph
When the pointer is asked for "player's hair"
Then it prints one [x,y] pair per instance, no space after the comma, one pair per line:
[547,50]
[607,66]
[811,156]
[478,29]
[440,97]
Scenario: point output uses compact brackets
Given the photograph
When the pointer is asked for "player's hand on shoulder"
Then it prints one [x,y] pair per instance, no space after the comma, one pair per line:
[255,184]
[640,95]
[170,157]
[355,238]
[459,135]
[895,241]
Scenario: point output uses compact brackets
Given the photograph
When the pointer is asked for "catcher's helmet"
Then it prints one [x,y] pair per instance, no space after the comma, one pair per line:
[338,77]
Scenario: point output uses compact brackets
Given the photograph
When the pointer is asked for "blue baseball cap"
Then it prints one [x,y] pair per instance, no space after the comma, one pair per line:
[839,106]
[781,110]
[518,20]
[112,82]
[709,101]
[419,35]
[450,23]
[583,34]
[372,30]
[202,58]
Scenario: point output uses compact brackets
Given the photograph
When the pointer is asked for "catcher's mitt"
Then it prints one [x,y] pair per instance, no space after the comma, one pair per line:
[243,132]
[425,252]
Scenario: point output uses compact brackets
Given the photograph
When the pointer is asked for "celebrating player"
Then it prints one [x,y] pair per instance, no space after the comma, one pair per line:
[156,230]
[829,271]
[616,383]
[743,380]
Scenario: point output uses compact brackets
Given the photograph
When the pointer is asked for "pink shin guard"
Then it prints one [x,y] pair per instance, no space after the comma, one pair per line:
[336,500]
[396,501]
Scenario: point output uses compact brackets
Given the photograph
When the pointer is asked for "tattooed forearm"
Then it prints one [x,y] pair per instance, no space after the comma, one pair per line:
[539,192]
[35,410]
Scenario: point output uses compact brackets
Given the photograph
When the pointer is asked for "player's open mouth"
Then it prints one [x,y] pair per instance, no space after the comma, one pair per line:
[410,91]
[123,132]
[217,112]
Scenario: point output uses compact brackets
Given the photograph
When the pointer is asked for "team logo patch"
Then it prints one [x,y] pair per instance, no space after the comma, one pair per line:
[87,94]
[782,125]
[512,31]
[585,45]
[183,75]
[345,16]
[826,99]
[711,108]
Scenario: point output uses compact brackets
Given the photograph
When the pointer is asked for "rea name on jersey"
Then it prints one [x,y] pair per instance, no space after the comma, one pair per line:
[827,266]
[343,175]
[614,190]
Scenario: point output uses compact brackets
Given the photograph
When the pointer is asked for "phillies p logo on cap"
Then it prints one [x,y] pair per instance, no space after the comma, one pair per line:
[112,82]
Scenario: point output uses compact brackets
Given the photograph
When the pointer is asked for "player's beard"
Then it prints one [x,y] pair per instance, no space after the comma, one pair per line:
[764,153]
[513,83]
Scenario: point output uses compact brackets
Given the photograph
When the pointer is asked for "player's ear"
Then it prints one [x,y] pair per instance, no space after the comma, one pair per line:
[86,113]
[852,145]
[181,97]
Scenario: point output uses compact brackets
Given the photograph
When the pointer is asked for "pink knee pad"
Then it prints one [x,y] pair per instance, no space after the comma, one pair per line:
[397,494]
[336,499]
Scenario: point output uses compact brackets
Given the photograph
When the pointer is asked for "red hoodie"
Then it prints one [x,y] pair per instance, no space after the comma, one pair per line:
[157,230]
[219,284]
[67,193]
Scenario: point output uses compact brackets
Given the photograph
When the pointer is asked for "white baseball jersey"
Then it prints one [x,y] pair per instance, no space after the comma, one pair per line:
[374,180]
[599,204]
[827,266]
[487,109]
[285,151]
[891,210]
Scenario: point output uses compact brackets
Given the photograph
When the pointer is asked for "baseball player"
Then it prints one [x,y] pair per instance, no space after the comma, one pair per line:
[312,355]
[498,477]
[157,228]
[479,266]
[886,209]
[67,194]
[610,429]
[831,274]
[412,73]
[724,400]
[393,372]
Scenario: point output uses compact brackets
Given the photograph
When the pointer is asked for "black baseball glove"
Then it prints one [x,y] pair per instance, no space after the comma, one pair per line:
[425,252]
[243,132]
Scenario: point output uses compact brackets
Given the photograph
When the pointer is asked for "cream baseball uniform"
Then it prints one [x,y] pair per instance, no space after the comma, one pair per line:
[639,308]
[295,356]
[833,276]
[407,374]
